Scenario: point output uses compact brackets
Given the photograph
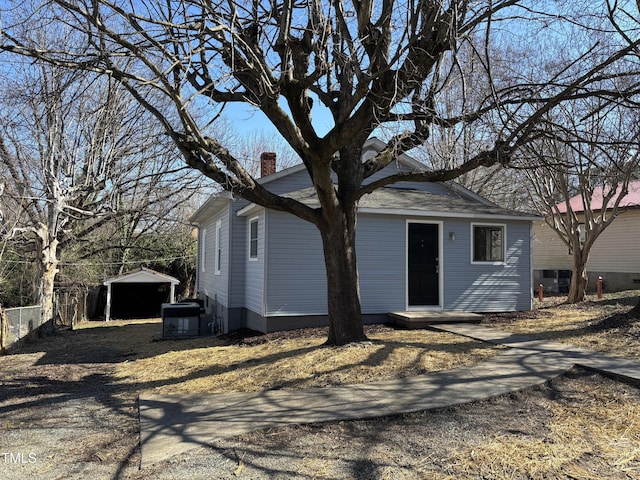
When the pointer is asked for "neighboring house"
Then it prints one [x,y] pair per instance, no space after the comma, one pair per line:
[420,246]
[615,255]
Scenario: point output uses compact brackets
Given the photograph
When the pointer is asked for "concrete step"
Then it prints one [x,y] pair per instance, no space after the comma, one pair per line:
[424,319]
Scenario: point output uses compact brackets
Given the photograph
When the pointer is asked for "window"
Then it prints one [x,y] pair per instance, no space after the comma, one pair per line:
[253,239]
[488,243]
[218,259]
[203,249]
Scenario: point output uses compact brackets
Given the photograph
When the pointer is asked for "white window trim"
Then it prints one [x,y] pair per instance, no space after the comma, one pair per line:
[251,220]
[203,250]
[503,226]
[218,250]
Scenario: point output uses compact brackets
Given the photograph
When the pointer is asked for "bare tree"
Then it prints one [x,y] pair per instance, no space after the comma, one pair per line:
[371,67]
[593,160]
[252,145]
[4,224]
[55,178]
[78,155]
[502,184]
[625,19]
[588,150]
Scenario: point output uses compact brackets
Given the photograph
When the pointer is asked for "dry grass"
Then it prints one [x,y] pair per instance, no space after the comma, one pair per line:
[597,324]
[579,426]
[591,431]
[301,360]
[213,365]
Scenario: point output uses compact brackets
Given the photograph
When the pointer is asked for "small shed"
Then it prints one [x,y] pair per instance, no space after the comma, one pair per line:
[139,294]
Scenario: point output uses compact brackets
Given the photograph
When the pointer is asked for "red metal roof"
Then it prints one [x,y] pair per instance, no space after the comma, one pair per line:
[632,199]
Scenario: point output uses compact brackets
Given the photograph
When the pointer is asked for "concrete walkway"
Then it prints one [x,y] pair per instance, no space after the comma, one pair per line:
[173,424]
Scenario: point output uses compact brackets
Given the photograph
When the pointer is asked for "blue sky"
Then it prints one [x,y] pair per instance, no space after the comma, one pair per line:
[246,119]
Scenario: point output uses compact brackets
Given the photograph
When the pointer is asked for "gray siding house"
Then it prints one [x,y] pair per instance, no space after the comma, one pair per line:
[420,246]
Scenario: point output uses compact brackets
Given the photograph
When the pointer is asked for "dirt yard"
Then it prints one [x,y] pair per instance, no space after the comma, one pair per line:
[68,405]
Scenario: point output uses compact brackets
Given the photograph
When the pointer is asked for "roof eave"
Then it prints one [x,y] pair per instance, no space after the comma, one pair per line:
[249,210]
[213,204]
[142,270]
[440,214]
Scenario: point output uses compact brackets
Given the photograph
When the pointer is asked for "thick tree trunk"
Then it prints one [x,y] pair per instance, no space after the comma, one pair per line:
[48,271]
[343,289]
[578,287]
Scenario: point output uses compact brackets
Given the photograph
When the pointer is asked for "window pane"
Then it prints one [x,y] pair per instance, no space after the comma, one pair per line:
[218,259]
[253,239]
[479,244]
[488,244]
[203,249]
[496,244]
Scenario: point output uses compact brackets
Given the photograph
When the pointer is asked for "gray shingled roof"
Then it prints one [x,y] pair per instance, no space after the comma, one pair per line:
[396,200]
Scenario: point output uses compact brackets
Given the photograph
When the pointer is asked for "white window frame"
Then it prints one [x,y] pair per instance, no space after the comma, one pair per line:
[501,226]
[218,255]
[253,220]
[203,250]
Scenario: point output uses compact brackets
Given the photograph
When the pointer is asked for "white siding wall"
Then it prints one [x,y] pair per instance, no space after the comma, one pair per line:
[549,252]
[616,250]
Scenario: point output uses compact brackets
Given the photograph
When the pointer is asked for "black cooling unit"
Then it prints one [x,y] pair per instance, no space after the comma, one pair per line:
[180,320]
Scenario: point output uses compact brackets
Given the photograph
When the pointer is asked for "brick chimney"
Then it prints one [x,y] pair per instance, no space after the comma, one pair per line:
[267,163]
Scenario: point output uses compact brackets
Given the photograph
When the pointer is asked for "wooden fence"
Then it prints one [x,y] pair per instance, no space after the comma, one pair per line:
[69,307]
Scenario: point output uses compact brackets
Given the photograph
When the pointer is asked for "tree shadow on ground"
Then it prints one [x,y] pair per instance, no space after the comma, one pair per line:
[78,369]
[82,364]
[124,341]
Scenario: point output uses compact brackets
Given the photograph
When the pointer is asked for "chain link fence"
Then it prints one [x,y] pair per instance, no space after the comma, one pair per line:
[19,324]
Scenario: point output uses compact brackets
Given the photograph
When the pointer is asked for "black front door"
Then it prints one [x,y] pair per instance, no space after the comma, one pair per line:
[423,265]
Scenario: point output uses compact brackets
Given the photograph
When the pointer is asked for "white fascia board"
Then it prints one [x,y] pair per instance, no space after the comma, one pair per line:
[143,276]
[211,206]
[249,210]
[252,208]
[425,213]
